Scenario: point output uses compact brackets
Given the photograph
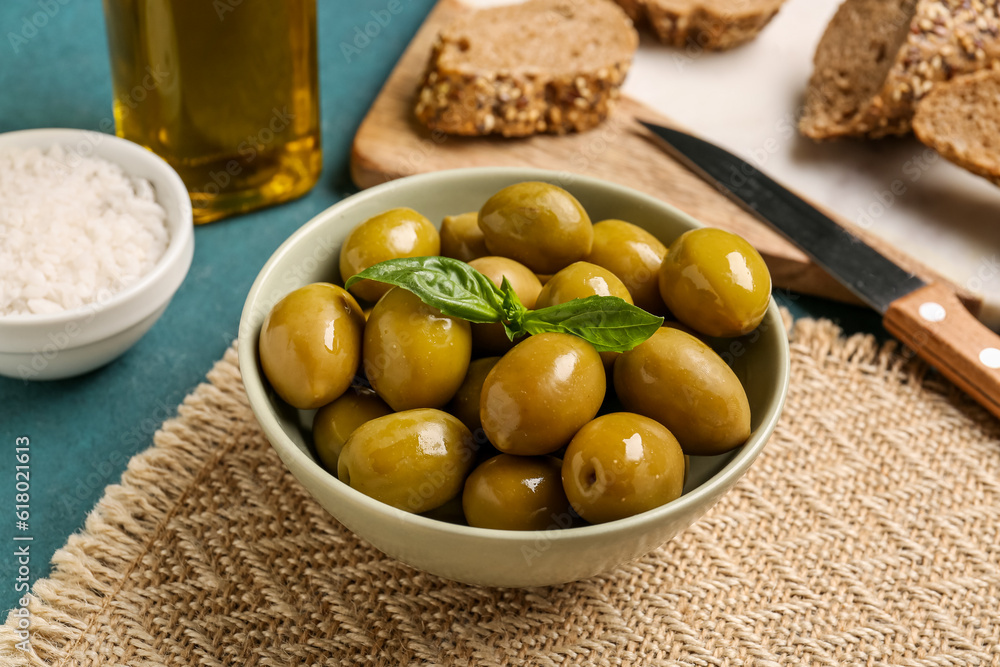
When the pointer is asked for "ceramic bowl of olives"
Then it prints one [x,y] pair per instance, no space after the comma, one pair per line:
[513,377]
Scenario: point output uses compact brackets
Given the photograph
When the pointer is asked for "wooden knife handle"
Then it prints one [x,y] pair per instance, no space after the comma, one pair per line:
[935,325]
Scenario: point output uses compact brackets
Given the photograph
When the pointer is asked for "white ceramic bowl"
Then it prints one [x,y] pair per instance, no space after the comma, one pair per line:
[60,345]
[477,555]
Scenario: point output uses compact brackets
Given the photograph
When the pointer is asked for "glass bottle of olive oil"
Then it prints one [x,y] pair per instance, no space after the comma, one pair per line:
[226,91]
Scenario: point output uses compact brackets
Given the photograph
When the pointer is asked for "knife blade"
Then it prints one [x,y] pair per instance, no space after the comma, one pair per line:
[929,318]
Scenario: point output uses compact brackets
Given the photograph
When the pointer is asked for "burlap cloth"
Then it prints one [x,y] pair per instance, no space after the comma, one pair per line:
[866,533]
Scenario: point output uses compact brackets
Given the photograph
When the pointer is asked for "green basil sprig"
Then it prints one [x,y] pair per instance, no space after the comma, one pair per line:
[608,323]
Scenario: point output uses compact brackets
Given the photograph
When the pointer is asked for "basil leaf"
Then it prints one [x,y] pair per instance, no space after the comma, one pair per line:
[451,286]
[514,311]
[608,323]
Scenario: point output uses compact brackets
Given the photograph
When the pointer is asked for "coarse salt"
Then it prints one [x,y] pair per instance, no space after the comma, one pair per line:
[73,230]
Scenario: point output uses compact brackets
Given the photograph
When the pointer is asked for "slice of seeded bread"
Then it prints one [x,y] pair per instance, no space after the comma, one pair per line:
[961,120]
[542,66]
[710,24]
[878,58]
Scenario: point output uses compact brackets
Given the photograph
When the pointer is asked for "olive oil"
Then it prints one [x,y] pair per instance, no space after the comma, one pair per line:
[226,91]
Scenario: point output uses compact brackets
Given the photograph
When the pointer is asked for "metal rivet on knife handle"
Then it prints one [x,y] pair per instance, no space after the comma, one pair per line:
[932,312]
[957,344]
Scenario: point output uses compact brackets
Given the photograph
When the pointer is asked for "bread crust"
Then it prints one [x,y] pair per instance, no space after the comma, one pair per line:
[969,96]
[944,38]
[518,101]
[684,22]
[516,105]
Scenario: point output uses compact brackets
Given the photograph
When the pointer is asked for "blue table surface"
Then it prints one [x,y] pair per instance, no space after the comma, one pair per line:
[84,430]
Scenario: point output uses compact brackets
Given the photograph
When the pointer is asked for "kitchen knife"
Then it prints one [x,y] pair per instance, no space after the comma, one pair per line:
[929,318]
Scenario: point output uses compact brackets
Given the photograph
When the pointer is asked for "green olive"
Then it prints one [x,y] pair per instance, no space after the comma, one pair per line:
[465,404]
[538,224]
[334,423]
[622,464]
[578,281]
[399,232]
[540,393]
[516,493]
[715,282]
[491,338]
[414,356]
[682,383]
[310,344]
[461,237]
[415,460]
[521,278]
[635,256]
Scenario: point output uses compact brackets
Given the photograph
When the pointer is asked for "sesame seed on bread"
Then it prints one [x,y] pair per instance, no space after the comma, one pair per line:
[878,58]
[542,66]
[960,119]
[710,24]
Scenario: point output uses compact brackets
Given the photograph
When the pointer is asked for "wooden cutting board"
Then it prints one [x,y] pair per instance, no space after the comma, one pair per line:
[391,144]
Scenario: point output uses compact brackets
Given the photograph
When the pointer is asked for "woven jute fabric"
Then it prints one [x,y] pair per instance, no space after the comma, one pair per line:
[866,533]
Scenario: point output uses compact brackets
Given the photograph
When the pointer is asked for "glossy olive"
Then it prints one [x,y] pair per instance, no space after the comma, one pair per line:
[399,232]
[414,356]
[540,393]
[491,338]
[414,460]
[334,423]
[715,282]
[682,383]
[516,493]
[622,464]
[465,404]
[635,256]
[578,281]
[538,224]
[461,237]
[521,278]
[310,344]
